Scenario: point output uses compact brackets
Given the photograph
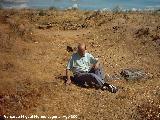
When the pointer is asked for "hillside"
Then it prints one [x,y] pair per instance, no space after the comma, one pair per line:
[33,57]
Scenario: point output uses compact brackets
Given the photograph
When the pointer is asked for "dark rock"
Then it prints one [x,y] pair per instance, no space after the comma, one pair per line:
[45,26]
[116,28]
[68,25]
[133,74]
[69,49]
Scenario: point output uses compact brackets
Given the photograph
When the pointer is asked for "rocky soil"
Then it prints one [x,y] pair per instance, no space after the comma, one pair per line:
[34,54]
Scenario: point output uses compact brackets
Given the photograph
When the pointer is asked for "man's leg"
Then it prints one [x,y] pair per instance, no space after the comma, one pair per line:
[90,78]
[79,81]
[100,73]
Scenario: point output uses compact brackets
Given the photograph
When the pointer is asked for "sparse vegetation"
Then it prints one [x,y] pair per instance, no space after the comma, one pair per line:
[117,9]
[53,8]
[42,13]
[32,73]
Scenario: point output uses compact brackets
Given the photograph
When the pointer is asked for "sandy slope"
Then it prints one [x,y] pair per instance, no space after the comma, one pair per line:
[33,57]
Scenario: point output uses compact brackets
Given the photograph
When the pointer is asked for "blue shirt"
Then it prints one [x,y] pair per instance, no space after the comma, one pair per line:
[78,63]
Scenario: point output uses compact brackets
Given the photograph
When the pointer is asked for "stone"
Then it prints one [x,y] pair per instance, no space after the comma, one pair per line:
[69,49]
[133,74]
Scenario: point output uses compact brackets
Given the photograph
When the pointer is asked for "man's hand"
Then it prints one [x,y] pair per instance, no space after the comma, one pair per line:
[68,82]
[68,77]
[96,66]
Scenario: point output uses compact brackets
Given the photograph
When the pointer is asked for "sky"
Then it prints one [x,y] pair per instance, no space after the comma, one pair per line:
[82,4]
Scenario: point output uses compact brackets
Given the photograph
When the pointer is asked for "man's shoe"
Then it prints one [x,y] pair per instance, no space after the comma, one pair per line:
[104,87]
[110,88]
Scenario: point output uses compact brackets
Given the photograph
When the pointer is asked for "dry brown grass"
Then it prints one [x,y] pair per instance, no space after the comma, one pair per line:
[33,62]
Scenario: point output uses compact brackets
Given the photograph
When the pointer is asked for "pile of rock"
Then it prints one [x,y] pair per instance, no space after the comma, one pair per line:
[133,74]
[73,26]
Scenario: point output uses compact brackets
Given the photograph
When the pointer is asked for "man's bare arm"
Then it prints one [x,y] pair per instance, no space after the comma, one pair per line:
[68,76]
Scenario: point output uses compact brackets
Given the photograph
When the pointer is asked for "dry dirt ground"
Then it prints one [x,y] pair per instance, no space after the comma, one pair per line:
[33,58]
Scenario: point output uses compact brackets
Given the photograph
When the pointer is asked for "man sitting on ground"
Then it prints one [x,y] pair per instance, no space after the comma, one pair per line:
[87,70]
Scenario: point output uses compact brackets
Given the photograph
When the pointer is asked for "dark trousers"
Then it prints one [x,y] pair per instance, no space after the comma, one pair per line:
[93,78]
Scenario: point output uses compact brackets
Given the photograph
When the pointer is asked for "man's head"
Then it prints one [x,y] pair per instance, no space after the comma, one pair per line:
[81,49]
